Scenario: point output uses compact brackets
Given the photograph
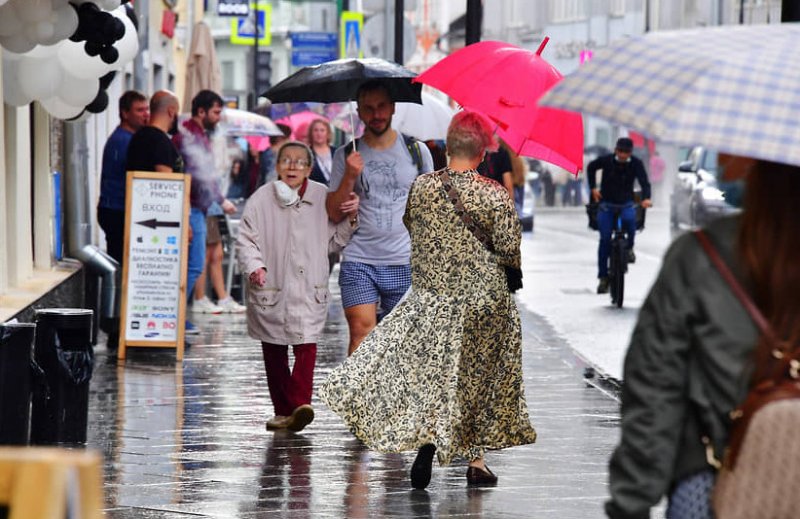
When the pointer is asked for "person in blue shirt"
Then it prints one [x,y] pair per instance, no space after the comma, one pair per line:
[134,113]
[619,169]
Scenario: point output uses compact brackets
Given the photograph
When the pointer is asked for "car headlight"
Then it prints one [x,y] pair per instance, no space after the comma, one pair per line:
[712,194]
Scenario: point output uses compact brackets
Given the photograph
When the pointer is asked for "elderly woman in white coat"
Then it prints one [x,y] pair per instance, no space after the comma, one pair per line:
[282,246]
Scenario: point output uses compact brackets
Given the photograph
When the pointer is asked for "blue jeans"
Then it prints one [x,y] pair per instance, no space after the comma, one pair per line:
[197,250]
[606,224]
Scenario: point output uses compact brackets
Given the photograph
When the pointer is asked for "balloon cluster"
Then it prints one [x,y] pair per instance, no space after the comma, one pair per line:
[64,77]
[24,24]
[100,30]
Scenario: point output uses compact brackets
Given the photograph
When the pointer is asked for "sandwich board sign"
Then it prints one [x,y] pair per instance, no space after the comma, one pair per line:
[155,254]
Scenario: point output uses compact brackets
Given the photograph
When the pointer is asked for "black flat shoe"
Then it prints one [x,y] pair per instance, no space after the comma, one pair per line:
[421,469]
[478,477]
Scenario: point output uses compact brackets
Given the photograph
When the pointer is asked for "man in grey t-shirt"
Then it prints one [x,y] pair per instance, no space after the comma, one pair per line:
[376,264]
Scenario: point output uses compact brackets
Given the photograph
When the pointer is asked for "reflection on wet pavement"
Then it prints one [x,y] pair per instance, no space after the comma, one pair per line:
[190,441]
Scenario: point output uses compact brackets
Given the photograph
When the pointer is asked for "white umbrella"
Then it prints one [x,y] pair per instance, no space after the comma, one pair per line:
[242,123]
[426,121]
[733,88]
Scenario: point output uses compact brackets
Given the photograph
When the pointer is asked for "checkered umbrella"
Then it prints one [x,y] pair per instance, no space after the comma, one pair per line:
[732,88]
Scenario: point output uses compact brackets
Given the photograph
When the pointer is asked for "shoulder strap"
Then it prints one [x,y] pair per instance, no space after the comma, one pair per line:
[412,145]
[462,213]
[736,287]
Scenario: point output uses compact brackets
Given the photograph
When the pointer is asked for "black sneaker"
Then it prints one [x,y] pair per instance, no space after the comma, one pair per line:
[631,256]
[421,469]
[602,287]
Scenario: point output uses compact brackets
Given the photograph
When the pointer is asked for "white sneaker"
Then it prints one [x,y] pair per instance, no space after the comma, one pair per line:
[205,306]
[230,306]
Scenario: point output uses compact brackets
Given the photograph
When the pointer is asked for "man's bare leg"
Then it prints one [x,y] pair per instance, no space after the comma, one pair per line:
[361,319]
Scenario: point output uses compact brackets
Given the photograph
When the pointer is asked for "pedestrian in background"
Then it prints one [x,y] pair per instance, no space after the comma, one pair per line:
[320,137]
[691,355]
[194,143]
[134,113]
[442,373]
[375,266]
[282,247]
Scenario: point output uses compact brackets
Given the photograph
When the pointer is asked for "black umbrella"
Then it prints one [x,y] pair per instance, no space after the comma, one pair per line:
[338,81]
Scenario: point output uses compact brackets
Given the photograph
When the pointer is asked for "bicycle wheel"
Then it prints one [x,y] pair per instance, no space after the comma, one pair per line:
[617,272]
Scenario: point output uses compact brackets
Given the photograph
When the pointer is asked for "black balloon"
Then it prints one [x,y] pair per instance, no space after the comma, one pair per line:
[99,103]
[107,79]
[109,55]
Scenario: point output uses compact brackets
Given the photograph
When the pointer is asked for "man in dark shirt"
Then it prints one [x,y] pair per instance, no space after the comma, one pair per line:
[133,114]
[619,169]
[151,149]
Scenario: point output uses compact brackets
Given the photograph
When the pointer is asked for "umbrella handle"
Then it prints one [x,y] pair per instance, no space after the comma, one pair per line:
[353,126]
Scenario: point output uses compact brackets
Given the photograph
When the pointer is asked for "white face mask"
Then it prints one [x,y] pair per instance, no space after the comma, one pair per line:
[286,195]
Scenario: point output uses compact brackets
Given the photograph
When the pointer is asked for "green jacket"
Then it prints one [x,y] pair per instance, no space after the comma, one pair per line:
[688,362]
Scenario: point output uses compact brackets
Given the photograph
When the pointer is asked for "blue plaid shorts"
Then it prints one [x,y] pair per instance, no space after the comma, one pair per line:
[367,284]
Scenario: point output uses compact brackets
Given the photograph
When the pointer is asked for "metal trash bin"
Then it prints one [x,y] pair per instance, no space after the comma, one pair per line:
[16,355]
[64,352]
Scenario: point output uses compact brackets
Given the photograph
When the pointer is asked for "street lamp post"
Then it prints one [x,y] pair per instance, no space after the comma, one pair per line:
[399,9]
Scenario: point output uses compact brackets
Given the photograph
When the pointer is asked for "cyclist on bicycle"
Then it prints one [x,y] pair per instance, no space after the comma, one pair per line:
[616,193]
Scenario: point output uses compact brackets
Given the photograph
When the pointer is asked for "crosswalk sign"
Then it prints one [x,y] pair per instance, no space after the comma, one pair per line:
[350,28]
[243,30]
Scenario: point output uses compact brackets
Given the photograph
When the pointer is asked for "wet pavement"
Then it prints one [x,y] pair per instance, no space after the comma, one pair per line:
[190,441]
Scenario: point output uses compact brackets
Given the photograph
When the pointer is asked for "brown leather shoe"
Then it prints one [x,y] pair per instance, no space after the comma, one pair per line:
[276,422]
[301,416]
[477,477]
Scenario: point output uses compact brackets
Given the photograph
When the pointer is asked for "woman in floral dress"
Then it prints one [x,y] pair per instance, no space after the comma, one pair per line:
[442,373]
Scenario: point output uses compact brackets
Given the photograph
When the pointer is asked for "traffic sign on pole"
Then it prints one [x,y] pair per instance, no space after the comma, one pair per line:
[243,30]
[350,28]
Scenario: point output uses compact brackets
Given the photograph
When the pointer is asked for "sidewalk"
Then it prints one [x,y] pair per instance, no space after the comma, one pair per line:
[190,441]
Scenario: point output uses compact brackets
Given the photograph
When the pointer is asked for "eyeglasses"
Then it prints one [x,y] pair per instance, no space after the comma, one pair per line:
[286,162]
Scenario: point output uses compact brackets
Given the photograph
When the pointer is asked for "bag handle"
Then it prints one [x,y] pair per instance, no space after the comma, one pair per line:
[461,211]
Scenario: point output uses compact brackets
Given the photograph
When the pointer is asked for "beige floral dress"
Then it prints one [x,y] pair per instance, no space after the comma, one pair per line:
[445,366]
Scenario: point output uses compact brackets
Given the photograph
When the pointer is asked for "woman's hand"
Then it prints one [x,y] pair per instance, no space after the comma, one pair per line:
[258,277]
[350,206]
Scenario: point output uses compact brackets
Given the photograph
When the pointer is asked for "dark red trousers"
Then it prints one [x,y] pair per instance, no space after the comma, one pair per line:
[289,389]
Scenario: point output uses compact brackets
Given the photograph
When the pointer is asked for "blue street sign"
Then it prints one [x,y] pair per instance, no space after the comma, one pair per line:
[314,40]
[304,58]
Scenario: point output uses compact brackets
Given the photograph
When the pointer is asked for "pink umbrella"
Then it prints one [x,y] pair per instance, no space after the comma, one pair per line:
[505,82]
[299,123]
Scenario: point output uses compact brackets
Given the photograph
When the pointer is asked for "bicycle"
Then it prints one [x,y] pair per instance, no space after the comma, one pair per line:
[618,256]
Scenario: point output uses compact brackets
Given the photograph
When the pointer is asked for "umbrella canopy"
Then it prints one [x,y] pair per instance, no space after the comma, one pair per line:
[734,88]
[426,121]
[504,82]
[202,67]
[242,123]
[299,123]
[337,81]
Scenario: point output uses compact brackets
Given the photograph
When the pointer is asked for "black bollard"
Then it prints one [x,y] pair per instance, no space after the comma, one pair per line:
[16,355]
[64,351]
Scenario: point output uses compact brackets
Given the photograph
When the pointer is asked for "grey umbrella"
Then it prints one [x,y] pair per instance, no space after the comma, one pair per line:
[338,81]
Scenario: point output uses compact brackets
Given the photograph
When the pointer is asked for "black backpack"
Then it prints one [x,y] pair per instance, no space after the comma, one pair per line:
[412,145]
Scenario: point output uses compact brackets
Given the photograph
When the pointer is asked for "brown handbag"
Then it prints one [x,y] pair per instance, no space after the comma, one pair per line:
[759,476]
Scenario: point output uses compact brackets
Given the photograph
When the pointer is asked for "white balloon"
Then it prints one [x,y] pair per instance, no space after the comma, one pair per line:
[40,52]
[9,21]
[77,91]
[40,78]
[13,94]
[108,5]
[58,108]
[128,46]
[32,11]
[74,58]
[18,43]
[66,21]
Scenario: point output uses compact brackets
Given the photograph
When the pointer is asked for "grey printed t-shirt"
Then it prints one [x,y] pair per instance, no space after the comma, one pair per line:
[381,238]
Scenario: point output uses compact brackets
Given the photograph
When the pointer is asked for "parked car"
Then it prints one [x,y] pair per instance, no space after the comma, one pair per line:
[699,194]
[525,211]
